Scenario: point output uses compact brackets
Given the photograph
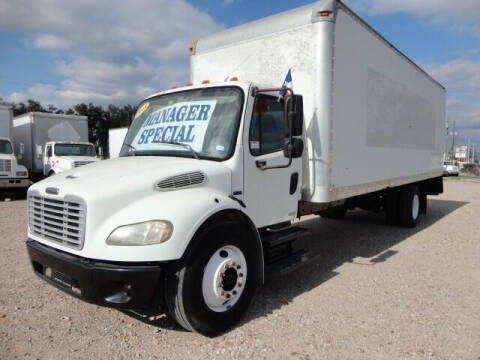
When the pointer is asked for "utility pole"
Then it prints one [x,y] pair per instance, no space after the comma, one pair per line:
[445,156]
[468,151]
[453,141]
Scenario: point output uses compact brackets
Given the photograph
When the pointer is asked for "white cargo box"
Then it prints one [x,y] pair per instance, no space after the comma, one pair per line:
[32,130]
[6,115]
[373,118]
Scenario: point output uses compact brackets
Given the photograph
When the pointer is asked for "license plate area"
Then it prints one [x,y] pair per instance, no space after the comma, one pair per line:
[62,280]
[59,277]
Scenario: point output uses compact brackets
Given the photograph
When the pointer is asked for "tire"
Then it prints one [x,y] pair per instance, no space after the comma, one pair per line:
[51,173]
[409,206]
[205,309]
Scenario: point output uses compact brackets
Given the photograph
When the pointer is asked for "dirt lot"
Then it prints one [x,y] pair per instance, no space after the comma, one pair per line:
[375,292]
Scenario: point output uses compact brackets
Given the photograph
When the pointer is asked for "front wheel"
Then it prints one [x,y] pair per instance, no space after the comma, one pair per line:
[210,289]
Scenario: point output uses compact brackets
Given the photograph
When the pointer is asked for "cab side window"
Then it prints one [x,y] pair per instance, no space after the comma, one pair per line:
[267,128]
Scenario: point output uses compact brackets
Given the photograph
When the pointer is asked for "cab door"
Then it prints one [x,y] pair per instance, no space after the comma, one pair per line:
[271,195]
[47,159]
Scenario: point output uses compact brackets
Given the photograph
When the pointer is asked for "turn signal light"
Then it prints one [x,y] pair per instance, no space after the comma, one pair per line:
[206,82]
[324,13]
[234,78]
[189,84]
[174,87]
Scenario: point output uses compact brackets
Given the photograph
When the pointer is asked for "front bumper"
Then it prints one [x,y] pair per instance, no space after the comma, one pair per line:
[14,183]
[135,286]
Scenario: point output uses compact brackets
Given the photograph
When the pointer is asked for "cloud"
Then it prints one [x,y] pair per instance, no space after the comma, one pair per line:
[228,2]
[107,51]
[463,15]
[461,77]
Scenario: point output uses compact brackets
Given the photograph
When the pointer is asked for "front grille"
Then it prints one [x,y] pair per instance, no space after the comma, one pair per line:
[181,181]
[56,220]
[5,165]
[81,163]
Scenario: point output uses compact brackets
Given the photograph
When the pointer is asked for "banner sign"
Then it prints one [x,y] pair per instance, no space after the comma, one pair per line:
[184,122]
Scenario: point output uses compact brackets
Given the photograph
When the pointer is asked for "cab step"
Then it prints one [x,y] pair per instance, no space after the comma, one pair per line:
[280,244]
[275,238]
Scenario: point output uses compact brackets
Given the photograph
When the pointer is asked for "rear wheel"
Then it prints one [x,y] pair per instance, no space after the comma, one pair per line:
[210,289]
[409,206]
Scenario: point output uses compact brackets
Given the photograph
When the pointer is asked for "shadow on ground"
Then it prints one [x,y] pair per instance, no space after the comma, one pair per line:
[13,196]
[361,234]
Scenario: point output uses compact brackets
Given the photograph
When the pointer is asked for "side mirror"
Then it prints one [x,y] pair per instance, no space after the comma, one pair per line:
[295,148]
[294,114]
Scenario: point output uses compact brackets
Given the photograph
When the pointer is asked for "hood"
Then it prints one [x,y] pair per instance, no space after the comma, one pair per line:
[135,175]
[79,158]
[7,157]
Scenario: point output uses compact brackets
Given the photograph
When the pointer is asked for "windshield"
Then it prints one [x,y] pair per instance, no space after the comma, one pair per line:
[5,147]
[74,150]
[199,123]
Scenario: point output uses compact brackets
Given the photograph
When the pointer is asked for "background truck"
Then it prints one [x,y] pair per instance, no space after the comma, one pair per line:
[115,141]
[52,143]
[13,177]
[212,175]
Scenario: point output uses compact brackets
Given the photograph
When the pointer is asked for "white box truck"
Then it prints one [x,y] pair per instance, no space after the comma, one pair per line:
[52,143]
[13,177]
[211,175]
[115,141]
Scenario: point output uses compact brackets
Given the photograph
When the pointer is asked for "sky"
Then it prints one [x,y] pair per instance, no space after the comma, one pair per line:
[64,52]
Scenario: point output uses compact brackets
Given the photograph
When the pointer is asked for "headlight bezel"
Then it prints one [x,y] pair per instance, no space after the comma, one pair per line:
[145,233]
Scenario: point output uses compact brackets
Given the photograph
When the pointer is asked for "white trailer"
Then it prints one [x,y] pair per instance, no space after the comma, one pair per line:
[52,143]
[211,175]
[115,141]
[6,116]
[13,177]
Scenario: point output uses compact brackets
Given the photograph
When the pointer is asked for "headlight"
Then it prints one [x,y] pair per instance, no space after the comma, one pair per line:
[22,173]
[146,233]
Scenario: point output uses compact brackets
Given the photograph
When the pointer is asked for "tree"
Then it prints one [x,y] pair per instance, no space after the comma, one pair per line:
[19,109]
[33,105]
[51,109]
[95,115]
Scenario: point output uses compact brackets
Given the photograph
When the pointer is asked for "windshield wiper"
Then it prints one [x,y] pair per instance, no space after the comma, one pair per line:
[186,146]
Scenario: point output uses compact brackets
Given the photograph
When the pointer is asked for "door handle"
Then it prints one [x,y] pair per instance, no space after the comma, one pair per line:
[261,164]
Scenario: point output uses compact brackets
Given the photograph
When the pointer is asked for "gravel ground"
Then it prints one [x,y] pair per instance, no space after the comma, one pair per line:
[376,292]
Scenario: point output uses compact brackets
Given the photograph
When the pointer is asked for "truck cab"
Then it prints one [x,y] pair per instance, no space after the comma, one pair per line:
[59,156]
[13,177]
[218,161]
